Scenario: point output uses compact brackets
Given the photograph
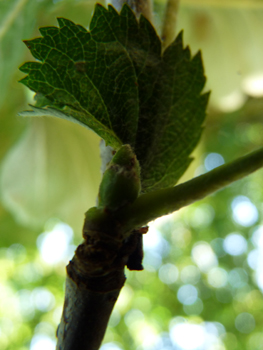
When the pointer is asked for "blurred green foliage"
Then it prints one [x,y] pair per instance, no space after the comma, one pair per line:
[194,276]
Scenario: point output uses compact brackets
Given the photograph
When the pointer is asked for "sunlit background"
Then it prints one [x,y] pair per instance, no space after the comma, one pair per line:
[202,284]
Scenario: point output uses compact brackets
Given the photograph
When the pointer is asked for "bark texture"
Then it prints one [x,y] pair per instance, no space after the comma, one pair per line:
[85,317]
[95,277]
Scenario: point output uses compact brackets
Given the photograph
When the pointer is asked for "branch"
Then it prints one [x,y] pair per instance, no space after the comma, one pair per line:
[138,6]
[152,205]
[85,317]
[95,277]
[169,22]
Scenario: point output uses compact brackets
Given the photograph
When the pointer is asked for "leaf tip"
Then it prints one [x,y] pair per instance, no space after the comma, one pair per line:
[27,43]
[23,80]
[126,10]
[63,22]
[198,57]
[98,11]
[112,9]
[180,35]
[99,8]
[23,68]
[206,96]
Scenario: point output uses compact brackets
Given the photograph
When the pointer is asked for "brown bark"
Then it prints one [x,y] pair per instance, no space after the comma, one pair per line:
[95,277]
[85,317]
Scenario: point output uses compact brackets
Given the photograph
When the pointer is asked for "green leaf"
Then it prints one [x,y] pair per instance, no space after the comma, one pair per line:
[115,80]
[94,75]
[171,120]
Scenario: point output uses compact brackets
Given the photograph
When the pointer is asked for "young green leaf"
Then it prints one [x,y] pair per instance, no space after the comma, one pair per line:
[94,76]
[115,80]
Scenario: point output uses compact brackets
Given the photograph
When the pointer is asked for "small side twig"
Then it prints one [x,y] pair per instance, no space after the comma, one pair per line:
[154,204]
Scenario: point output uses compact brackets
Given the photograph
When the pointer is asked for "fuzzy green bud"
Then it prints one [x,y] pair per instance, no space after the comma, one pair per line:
[120,184]
[98,221]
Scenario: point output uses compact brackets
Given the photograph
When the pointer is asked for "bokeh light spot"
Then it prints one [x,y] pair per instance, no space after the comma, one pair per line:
[187,294]
[187,336]
[194,309]
[253,258]
[42,342]
[202,216]
[146,335]
[43,299]
[230,340]
[115,318]
[235,244]
[244,212]
[110,346]
[17,252]
[245,322]
[232,101]
[168,273]
[255,341]
[204,256]
[45,328]
[152,260]
[237,278]
[257,237]
[217,277]
[190,274]
[213,160]
[54,246]
[26,306]
[152,239]
[217,245]
[253,84]
[133,316]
